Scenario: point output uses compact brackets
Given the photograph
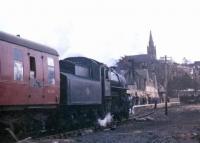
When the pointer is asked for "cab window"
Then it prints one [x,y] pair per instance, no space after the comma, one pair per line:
[82,71]
[114,77]
[107,74]
[18,65]
[51,70]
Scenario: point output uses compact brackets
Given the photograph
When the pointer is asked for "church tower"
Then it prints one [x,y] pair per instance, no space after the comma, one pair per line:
[151,48]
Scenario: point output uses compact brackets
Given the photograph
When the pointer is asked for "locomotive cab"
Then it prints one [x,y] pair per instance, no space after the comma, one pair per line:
[80,81]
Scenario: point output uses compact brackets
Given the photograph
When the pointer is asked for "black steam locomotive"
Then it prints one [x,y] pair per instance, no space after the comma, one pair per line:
[89,90]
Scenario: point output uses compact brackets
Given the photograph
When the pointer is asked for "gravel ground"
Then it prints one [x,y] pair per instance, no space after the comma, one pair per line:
[182,125]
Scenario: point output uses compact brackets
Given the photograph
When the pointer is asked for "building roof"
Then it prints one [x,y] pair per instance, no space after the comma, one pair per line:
[79,60]
[197,63]
[140,58]
[26,43]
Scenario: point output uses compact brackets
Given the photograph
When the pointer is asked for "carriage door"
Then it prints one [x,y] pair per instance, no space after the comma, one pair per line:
[36,79]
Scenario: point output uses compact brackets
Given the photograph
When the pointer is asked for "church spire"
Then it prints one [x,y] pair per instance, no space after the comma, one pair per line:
[150,37]
[151,48]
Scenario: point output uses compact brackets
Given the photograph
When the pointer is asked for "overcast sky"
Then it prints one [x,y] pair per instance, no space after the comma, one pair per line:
[107,29]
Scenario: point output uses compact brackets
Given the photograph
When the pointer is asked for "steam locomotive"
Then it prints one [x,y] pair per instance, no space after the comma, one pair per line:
[37,91]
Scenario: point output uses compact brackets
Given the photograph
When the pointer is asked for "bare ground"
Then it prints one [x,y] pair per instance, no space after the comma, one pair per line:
[182,125]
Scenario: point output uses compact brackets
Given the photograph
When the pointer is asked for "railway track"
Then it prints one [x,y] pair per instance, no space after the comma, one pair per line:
[85,131]
[139,116]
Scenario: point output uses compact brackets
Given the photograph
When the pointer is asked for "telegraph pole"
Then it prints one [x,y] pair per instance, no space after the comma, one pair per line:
[165,83]
[166,97]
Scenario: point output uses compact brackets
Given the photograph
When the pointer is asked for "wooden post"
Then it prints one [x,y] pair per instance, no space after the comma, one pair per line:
[166,97]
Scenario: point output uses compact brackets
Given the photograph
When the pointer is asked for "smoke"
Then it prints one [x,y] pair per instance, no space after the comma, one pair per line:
[132,110]
[107,120]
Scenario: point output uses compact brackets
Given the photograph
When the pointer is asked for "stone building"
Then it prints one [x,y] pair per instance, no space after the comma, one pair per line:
[139,71]
[148,76]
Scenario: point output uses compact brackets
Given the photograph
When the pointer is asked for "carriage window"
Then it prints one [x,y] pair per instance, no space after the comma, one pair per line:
[51,70]
[18,70]
[18,55]
[32,68]
[82,71]
[18,65]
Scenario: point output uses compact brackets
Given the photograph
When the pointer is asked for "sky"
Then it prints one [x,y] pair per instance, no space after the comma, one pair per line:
[107,30]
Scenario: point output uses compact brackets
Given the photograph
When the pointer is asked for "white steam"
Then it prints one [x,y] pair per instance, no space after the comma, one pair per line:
[132,110]
[107,120]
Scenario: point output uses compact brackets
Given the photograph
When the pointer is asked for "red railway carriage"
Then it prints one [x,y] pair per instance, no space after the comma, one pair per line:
[29,73]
